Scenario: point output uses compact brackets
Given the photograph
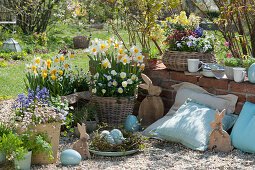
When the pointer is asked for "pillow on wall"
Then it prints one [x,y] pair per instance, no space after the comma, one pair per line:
[190,125]
[187,90]
[243,132]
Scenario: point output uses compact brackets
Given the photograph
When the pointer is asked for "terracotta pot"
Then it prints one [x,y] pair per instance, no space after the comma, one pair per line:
[229,72]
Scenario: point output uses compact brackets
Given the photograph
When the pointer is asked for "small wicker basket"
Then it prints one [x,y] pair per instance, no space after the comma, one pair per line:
[113,110]
[177,60]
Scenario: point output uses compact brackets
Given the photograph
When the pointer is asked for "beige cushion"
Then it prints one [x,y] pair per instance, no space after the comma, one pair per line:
[187,90]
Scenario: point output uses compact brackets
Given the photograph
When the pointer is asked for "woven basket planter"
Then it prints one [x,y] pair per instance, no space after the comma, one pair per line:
[81,42]
[177,60]
[112,110]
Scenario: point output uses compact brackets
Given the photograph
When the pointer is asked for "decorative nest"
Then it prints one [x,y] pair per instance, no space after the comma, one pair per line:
[133,141]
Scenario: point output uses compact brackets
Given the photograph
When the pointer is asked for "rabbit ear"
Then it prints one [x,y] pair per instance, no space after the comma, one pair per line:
[144,86]
[146,79]
[222,114]
[217,115]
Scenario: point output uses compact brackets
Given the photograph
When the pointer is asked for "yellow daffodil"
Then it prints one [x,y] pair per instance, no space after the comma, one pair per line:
[62,58]
[48,62]
[33,67]
[53,77]
[45,71]
[56,60]
[66,65]
[60,72]
[121,51]
[44,75]
[37,60]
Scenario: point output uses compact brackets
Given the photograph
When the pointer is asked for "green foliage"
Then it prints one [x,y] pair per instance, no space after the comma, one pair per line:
[3,63]
[13,55]
[132,141]
[248,62]
[232,62]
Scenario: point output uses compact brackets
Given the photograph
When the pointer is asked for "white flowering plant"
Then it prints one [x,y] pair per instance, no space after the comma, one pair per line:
[115,71]
[57,75]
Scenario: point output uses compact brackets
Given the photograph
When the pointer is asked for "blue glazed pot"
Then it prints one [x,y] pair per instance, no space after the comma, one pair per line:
[2,158]
[251,73]
[25,163]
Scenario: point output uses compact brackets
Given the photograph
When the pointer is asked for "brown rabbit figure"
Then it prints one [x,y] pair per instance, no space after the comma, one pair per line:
[152,107]
[81,145]
[219,138]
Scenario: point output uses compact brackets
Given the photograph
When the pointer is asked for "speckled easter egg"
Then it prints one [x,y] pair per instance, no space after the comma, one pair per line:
[110,139]
[132,124]
[70,157]
[104,133]
[117,136]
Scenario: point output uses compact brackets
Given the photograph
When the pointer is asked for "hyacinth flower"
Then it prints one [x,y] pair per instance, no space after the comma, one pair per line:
[199,31]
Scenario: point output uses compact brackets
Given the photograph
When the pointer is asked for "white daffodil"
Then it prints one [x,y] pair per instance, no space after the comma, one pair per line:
[110,40]
[143,66]
[113,72]
[121,50]
[95,41]
[124,84]
[37,60]
[93,50]
[123,75]
[103,91]
[28,67]
[125,60]
[139,58]
[119,57]
[130,81]
[106,63]
[102,46]
[133,77]
[120,90]
[117,44]
[135,50]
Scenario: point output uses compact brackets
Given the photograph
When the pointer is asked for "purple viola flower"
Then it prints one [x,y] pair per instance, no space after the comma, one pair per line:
[189,43]
[199,31]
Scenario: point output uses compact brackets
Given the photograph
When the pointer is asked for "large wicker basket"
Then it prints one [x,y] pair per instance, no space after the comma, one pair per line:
[112,110]
[177,60]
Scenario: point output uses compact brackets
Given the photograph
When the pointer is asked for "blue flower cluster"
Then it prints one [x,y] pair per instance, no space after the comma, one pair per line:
[25,101]
[199,31]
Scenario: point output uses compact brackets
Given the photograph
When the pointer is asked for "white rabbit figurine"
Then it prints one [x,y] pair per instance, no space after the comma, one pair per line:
[219,138]
[152,107]
[81,145]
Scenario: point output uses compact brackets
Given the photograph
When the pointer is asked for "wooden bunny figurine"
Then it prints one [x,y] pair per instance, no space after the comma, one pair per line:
[152,107]
[81,145]
[219,138]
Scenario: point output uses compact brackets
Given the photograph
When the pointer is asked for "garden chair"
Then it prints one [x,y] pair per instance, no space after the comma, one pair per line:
[7,17]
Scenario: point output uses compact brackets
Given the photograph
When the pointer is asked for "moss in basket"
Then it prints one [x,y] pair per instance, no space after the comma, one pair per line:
[133,141]
[232,62]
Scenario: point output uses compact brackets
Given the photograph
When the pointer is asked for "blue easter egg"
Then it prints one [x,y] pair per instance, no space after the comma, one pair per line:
[251,73]
[117,136]
[132,124]
[70,157]
[110,139]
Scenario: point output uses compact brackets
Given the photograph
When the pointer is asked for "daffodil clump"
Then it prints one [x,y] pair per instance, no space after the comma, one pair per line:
[115,70]
[57,75]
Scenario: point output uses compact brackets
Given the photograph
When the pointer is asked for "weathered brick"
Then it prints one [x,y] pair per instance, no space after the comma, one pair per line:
[251,99]
[212,82]
[245,87]
[166,94]
[179,76]
[210,90]
[167,84]
[161,74]
[239,107]
[241,97]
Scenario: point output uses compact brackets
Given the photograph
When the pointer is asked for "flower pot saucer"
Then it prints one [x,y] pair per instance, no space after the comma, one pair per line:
[113,153]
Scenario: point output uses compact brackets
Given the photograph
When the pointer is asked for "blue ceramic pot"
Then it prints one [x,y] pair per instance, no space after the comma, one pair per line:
[251,73]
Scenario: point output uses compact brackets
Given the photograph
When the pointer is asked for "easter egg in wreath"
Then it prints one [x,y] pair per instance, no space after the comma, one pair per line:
[104,133]
[110,139]
[132,124]
[117,136]
[70,157]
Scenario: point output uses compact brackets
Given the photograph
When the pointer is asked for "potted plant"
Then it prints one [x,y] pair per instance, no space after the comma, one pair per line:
[114,82]
[91,118]
[43,116]
[229,63]
[4,129]
[185,39]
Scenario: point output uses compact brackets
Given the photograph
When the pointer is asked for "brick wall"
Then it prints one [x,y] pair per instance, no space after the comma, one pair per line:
[165,78]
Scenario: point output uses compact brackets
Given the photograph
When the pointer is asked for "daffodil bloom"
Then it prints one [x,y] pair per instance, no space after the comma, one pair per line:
[48,65]
[54,71]
[56,60]
[135,50]
[37,60]
[28,67]
[66,65]
[48,62]
[106,63]
[139,58]
[45,71]
[120,90]
[124,84]
[62,58]
[113,72]
[142,66]
[44,75]
[125,60]
[116,44]
[120,57]
[103,91]
[71,56]
[33,67]
[61,72]
[133,77]
[121,51]
[123,75]
[53,77]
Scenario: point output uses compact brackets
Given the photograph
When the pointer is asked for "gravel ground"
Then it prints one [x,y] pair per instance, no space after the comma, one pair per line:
[159,155]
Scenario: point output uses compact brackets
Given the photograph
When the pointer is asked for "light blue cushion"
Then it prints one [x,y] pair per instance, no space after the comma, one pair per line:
[190,125]
[243,132]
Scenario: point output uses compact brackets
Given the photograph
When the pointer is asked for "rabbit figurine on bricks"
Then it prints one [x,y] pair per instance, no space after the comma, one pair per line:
[81,145]
[152,107]
[219,138]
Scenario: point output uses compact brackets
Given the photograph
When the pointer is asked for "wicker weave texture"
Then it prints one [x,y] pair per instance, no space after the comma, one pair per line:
[177,60]
[53,132]
[81,42]
[111,112]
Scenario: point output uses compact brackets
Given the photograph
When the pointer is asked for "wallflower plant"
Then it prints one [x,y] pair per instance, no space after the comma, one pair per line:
[57,75]
[115,72]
